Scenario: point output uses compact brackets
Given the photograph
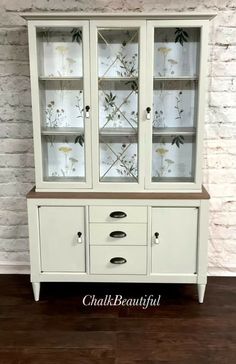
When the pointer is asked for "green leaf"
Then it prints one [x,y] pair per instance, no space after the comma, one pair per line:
[80,139]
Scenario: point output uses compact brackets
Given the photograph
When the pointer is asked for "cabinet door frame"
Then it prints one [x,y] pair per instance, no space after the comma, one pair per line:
[35,97]
[122,24]
[67,252]
[202,86]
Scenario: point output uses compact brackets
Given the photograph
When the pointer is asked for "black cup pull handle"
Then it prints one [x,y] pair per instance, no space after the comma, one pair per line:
[118,260]
[118,234]
[118,214]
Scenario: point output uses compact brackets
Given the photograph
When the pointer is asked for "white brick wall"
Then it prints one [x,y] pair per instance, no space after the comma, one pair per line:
[16,151]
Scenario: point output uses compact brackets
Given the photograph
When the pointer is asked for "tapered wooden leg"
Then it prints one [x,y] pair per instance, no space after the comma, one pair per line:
[201,292]
[36,290]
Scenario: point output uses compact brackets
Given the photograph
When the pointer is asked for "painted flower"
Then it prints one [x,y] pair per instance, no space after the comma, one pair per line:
[161,151]
[164,50]
[61,49]
[65,149]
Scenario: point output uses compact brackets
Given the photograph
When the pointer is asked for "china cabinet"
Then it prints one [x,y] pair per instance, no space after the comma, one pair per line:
[118,116]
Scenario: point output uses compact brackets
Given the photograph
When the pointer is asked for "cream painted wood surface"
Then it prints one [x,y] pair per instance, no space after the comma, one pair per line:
[175,251]
[60,248]
[135,234]
[134,214]
[135,257]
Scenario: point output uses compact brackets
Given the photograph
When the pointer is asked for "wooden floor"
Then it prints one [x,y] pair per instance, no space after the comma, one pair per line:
[59,329]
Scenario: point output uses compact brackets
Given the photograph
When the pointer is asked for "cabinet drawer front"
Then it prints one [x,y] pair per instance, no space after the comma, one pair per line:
[113,214]
[118,234]
[126,260]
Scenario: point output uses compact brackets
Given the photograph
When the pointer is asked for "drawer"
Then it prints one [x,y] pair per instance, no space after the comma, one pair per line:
[133,214]
[118,234]
[134,259]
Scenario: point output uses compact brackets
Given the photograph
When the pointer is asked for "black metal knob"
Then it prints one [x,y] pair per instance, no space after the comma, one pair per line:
[118,234]
[156,235]
[118,260]
[87,108]
[79,234]
[148,109]
[118,214]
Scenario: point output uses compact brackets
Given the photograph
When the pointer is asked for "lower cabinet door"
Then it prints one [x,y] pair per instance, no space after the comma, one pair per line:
[174,240]
[61,248]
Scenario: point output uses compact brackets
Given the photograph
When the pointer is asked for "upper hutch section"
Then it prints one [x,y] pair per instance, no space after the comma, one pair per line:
[118,100]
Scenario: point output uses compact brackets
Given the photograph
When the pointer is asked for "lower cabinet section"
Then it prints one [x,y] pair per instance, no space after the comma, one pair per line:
[160,241]
[174,240]
[118,260]
[62,238]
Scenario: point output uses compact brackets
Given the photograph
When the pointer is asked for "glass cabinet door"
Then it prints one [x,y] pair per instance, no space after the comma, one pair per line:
[64,95]
[118,100]
[175,76]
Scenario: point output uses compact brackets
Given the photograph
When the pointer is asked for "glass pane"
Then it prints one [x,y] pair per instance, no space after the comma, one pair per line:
[170,163]
[60,52]
[62,103]
[63,159]
[174,103]
[118,51]
[175,99]
[176,52]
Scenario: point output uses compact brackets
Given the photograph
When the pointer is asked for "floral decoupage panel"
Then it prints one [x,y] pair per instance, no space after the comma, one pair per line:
[117,53]
[170,161]
[174,104]
[63,157]
[176,52]
[60,52]
[119,162]
[62,104]
[118,105]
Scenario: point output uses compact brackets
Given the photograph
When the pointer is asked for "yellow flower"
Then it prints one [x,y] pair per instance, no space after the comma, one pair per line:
[161,151]
[61,49]
[65,149]
[164,50]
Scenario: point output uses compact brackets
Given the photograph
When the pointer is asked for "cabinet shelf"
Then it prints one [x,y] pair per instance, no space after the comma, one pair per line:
[173,179]
[178,78]
[62,131]
[110,79]
[118,135]
[118,131]
[64,179]
[47,78]
[173,131]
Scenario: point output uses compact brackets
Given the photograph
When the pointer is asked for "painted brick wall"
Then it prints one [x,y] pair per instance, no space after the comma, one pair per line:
[16,151]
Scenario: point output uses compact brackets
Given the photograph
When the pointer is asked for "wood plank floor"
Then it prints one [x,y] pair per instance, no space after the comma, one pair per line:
[59,329]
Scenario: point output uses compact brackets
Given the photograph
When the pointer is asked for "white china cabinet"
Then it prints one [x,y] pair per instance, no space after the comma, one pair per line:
[118,115]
